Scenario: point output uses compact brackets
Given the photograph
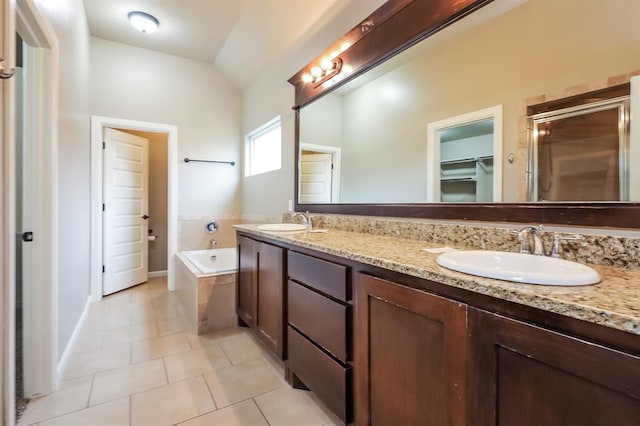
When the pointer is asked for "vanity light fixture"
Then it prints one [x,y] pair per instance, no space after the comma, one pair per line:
[330,70]
[319,74]
[143,22]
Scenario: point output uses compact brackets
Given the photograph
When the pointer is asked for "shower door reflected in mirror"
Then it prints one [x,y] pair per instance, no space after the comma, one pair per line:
[580,153]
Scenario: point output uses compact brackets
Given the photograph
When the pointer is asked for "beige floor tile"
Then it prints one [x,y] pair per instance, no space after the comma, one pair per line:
[171,404]
[165,299]
[73,396]
[114,384]
[216,337]
[242,350]
[89,341]
[114,413]
[237,383]
[138,317]
[105,321]
[245,413]
[165,312]
[130,333]
[287,406]
[120,297]
[195,363]
[159,347]
[84,363]
[127,308]
[174,325]
[157,283]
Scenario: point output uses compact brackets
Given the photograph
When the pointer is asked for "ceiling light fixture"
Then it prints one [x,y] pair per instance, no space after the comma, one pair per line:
[143,22]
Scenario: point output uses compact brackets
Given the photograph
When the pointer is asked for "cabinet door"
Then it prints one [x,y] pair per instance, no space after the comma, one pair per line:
[270,295]
[247,282]
[526,375]
[410,356]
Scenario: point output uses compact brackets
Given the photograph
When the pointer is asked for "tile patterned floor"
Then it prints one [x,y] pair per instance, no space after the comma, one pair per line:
[137,362]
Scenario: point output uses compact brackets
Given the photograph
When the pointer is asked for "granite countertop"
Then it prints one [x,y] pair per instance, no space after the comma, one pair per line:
[614,302]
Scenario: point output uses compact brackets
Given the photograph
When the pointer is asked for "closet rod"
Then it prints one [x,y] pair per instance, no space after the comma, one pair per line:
[190,160]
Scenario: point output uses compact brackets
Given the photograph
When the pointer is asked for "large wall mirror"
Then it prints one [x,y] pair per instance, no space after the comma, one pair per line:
[444,128]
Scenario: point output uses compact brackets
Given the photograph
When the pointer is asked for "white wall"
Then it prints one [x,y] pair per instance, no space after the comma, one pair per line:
[139,84]
[68,20]
[267,195]
[321,122]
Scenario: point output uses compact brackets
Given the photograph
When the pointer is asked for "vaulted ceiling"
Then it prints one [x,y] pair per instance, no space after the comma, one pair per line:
[241,37]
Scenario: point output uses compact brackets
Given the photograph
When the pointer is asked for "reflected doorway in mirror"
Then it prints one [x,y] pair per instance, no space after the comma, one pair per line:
[464,157]
[319,175]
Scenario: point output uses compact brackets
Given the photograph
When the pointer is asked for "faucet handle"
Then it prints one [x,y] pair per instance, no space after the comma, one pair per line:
[309,219]
[528,235]
[556,249]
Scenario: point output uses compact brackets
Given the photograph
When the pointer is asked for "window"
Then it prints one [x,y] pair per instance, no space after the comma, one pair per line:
[264,149]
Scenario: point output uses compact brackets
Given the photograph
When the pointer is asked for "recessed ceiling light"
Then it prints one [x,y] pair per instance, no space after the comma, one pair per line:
[143,22]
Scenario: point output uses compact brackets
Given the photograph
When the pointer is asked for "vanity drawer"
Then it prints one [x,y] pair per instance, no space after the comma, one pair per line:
[319,318]
[319,372]
[327,277]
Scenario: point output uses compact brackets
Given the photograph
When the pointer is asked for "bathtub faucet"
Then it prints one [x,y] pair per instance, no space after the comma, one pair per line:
[306,219]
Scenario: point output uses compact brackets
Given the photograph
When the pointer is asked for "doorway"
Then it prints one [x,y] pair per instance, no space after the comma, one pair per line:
[319,174]
[35,206]
[464,157]
[125,210]
[98,124]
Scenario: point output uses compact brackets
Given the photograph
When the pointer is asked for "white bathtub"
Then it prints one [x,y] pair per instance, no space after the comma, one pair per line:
[212,262]
[206,287]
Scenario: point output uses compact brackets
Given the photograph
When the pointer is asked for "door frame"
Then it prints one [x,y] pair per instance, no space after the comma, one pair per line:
[40,323]
[433,149]
[336,156]
[634,141]
[7,218]
[98,123]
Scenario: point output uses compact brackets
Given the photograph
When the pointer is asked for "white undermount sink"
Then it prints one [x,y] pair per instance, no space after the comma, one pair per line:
[519,267]
[282,227]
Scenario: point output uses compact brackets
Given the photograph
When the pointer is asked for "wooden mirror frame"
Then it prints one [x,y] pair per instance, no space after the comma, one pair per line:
[394,27]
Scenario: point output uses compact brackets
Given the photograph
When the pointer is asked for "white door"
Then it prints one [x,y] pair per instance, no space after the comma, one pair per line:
[125,217]
[315,178]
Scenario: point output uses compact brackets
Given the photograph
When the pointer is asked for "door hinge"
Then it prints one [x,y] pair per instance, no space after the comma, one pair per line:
[103,269]
[27,236]
[331,166]
[104,145]
[103,207]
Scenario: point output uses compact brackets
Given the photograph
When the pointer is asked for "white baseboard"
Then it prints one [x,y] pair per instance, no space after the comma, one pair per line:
[64,359]
[157,274]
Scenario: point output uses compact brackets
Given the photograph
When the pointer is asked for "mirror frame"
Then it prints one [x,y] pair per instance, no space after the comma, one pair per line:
[394,27]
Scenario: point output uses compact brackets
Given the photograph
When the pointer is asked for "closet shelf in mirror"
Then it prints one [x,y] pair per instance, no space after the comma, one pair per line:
[468,160]
[459,160]
[460,179]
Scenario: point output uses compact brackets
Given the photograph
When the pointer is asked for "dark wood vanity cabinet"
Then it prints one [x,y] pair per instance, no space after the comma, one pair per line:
[410,356]
[425,359]
[526,375]
[260,291]
[246,282]
[318,353]
[403,352]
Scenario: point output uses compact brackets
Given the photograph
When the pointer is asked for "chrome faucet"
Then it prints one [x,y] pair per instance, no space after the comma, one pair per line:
[306,219]
[530,240]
